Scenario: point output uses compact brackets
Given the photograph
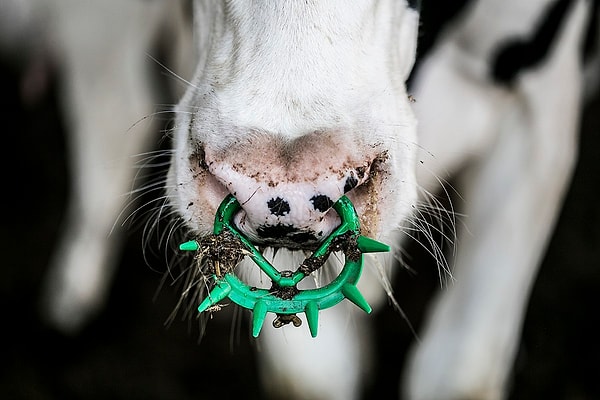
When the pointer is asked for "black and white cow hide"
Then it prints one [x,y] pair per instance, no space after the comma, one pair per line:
[467,157]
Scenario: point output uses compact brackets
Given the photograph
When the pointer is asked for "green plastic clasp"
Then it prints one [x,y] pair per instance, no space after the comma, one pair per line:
[284,298]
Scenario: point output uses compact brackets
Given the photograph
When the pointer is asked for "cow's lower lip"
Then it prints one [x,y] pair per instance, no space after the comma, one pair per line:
[296,242]
[281,234]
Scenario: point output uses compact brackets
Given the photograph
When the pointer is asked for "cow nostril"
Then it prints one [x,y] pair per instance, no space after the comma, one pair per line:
[278,206]
[321,202]
[350,184]
[201,158]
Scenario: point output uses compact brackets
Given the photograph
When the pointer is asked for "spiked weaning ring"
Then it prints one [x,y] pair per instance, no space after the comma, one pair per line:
[284,298]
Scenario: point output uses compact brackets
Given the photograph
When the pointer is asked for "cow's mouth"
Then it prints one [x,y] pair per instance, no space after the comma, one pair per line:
[228,246]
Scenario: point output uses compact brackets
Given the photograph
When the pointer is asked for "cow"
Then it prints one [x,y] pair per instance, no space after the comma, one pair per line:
[296,104]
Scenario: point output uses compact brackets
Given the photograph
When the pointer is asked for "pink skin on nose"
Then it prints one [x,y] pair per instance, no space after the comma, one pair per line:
[286,189]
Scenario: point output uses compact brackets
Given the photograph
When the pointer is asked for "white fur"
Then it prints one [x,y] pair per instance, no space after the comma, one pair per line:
[287,69]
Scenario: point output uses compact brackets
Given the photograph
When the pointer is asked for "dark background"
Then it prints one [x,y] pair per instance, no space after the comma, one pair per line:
[127,352]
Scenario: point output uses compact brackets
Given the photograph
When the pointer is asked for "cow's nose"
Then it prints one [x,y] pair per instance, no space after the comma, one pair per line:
[287,187]
[288,218]
[286,212]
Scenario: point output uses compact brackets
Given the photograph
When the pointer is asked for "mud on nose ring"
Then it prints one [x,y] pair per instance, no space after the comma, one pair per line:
[284,298]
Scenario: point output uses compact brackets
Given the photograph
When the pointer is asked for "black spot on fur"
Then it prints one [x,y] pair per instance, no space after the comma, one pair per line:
[517,55]
[278,206]
[321,202]
[591,45]
[414,4]
[434,17]
[350,184]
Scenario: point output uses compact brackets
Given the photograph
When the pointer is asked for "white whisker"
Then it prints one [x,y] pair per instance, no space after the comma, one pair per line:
[171,72]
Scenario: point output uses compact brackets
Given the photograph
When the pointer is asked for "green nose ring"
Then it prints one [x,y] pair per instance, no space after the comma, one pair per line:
[284,298]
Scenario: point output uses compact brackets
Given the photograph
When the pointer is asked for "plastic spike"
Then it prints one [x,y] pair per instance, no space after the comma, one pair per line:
[312,316]
[259,314]
[368,245]
[219,292]
[351,293]
[192,245]
[310,301]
